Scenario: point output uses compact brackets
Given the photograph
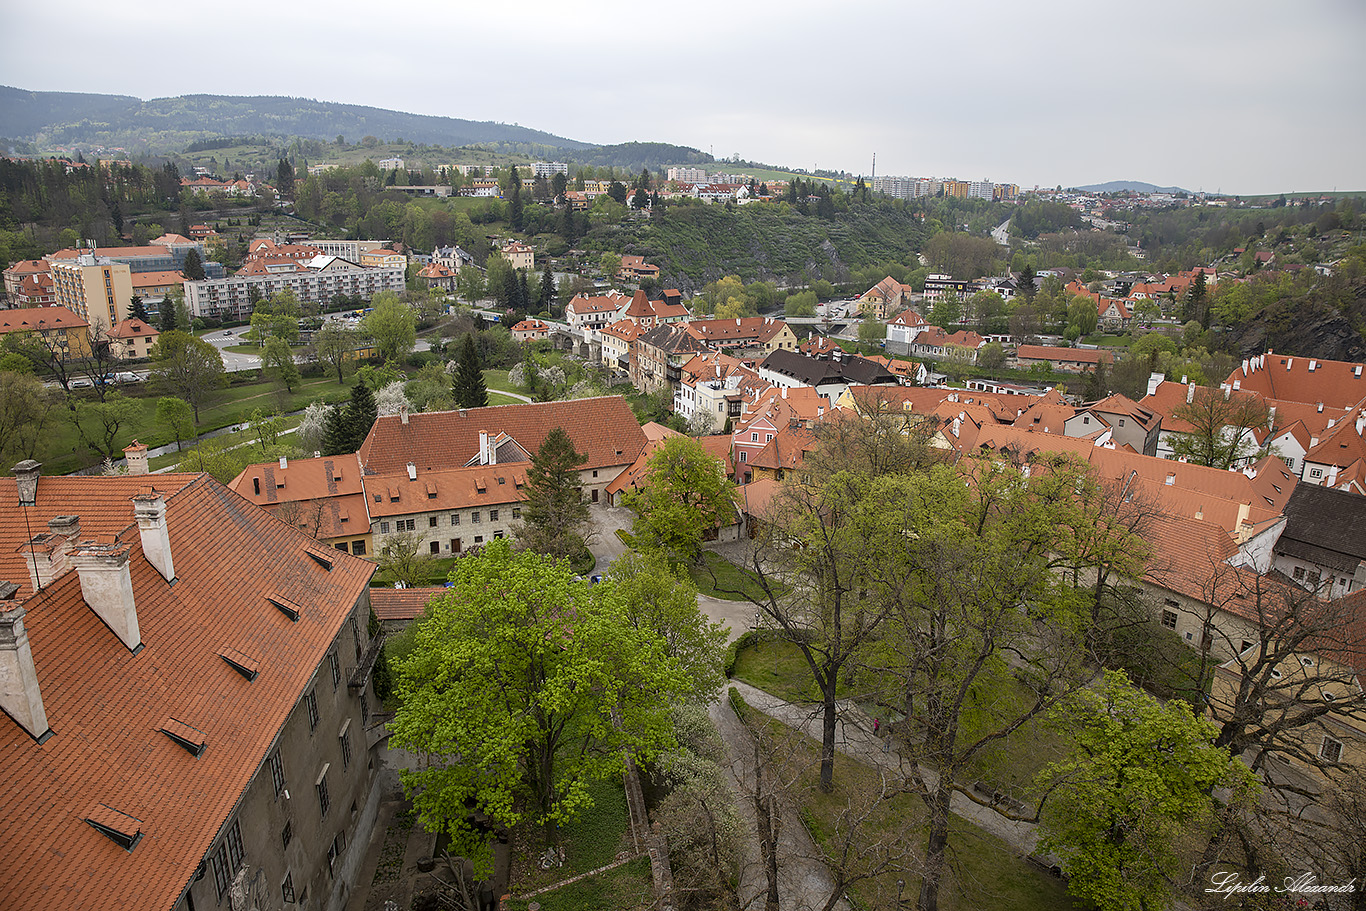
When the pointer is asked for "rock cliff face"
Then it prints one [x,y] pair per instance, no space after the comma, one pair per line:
[1330,325]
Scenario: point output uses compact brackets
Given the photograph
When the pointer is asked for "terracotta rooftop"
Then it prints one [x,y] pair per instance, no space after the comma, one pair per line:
[1338,384]
[402,604]
[602,428]
[32,319]
[156,279]
[107,705]
[133,328]
[1079,355]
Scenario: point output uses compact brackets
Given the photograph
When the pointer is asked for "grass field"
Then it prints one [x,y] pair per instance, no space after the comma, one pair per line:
[719,578]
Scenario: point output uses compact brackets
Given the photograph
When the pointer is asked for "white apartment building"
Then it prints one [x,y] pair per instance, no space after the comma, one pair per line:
[319,281]
[895,187]
[687,175]
[548,169]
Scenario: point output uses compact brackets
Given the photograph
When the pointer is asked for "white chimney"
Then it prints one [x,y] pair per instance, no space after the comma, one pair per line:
[107,587]
[1228,390]
[483,447]
[284,463]
[1361,421]
[403,413]
[1155,380]
[1237,384]
[136,455]
[149,509]
[1190,393]
[1271,417]
[412,472]
[19,694]
[47,552]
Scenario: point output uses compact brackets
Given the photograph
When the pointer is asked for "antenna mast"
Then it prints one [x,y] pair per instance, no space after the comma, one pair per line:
[875,166]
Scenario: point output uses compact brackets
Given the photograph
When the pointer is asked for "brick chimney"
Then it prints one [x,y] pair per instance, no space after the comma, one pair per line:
[149,509]
[19,694]
[107,586]
[136,454]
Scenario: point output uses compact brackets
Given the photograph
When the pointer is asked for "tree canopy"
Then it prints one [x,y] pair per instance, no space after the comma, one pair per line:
[468,387]
[187,367]
[686,495]
[524,685]
[393,326]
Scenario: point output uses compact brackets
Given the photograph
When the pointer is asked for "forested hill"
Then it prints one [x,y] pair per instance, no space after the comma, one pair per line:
[693,245]
[119,120]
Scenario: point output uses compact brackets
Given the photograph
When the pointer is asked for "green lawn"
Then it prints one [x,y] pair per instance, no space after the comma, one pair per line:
[498,379]
[984,872]
[779,668]
[591,840]
[627,888]
[718,577]
[498,398]
[438,568]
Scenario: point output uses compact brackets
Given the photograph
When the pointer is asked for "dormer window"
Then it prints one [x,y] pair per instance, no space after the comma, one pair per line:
[120,828]
[192,739]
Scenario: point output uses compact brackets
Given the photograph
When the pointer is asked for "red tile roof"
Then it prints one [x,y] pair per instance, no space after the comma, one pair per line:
[106,705]
[603,428]
[1339,384]
[402,604]
[133,328]
[32,319]
[142,280]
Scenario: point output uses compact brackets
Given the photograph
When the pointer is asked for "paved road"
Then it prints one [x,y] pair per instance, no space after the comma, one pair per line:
[804,882]
[232,361]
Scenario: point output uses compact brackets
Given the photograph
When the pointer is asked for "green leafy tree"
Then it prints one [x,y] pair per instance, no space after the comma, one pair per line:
[1135,790]
[392,324]
[188,367]
[468,387]
[554,514]
[469,283]
[1082,313]
[686,496]
[25,406]
[660,601]
[516,215]
[177,416]
[552,686]
[333,344]
[946,311]
[871,331]
[400,556]
[546,298]
[104,426]
[278,358]
[167,313]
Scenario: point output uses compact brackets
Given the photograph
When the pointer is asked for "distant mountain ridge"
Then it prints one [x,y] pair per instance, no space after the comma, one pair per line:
[1136,186]
[72,117]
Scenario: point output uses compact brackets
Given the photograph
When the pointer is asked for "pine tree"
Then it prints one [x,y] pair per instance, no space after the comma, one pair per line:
[554,510]
[468,388]
[336,432]
[523,292]
[166,314]
[194,266]
[547,301]
[361,412]
[137,310]
[515,217]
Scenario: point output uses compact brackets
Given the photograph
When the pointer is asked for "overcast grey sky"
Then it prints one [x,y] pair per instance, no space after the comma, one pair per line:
[1244,96]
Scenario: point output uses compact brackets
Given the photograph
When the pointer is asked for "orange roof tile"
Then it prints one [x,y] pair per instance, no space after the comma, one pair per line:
[1339,384]
[32,319]
[602,428]
[107,705]
[402,604]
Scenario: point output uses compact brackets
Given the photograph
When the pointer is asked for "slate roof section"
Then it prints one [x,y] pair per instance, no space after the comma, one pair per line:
[1326,526]
[603,428]
[107,706]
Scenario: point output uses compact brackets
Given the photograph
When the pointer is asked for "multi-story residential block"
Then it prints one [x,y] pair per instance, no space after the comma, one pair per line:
[95,288]
[186,721]
[430,473]
[520,255]
[759,332]
[319,281]
[390,164]
[548,169]
[895,187]
[383,258]
[687,175]
[164,254]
